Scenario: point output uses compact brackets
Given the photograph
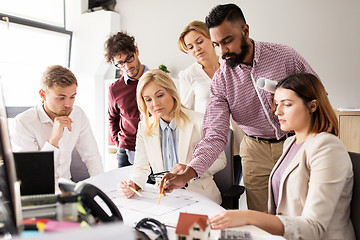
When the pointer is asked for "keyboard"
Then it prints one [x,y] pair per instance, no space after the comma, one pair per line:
[39,199]
[227,234]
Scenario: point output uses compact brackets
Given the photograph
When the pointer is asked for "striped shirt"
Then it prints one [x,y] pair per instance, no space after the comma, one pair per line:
[233,92]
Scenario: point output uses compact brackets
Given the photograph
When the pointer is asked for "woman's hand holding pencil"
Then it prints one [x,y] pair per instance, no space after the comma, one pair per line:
[128,189]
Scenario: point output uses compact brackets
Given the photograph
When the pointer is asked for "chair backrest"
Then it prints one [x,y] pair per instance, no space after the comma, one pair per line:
[14,111]
[224,179]
[78,169]
[355,201]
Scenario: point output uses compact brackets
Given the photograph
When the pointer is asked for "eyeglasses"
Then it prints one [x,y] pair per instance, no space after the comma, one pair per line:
[156,176]
[121,64]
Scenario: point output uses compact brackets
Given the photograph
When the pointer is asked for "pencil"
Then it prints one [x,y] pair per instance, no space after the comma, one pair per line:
[162,190]
[132,189]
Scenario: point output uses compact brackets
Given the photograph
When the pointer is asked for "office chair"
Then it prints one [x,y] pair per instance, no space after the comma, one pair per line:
[225,179]
[355,201]
[78,168]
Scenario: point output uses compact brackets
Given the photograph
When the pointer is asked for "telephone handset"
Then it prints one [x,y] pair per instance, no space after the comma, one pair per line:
[90,195]
[154,225]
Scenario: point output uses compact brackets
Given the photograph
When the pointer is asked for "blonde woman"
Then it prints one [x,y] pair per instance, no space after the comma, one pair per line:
[167,136]
[195,81]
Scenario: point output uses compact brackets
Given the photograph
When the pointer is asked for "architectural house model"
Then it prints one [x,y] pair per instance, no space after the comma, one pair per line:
[192,226]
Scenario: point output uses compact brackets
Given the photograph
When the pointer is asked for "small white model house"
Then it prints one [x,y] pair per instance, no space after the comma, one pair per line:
[192,227]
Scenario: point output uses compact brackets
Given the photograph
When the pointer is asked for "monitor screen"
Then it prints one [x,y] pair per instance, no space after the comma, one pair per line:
[35,172]
[10,202]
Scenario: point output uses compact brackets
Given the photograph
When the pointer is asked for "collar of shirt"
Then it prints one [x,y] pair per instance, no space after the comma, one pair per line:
[164,124]
[127,78]
[256,55]
[256,51]
[44,118]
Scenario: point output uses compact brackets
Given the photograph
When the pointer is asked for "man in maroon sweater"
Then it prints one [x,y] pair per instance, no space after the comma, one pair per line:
[124,115]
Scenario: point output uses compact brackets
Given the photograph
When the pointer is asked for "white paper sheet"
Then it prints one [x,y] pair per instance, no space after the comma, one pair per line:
[167,212]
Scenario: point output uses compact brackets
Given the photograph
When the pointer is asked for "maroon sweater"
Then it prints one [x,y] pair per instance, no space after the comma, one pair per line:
[124,115]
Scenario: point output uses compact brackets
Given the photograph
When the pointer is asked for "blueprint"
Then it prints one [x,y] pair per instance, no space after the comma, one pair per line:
[148,202]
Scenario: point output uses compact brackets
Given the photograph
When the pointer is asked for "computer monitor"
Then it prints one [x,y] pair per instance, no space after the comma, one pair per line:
[35,171]
[10,201]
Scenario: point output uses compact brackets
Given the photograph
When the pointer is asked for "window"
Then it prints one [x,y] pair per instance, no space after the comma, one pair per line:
[45,11]
[27,47]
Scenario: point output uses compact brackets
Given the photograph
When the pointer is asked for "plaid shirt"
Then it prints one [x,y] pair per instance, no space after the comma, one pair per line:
[233,92]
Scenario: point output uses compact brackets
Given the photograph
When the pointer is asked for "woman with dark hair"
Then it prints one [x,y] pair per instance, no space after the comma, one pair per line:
[310,187]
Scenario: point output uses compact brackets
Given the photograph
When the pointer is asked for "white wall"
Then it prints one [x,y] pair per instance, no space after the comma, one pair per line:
[90,31]
[325,32]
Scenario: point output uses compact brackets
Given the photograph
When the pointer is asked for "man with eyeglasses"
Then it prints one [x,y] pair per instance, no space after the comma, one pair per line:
[124,115]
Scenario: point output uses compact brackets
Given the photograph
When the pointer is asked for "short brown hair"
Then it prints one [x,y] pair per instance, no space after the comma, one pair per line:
[116,43]
[308,87]
[57,75]
[197,26]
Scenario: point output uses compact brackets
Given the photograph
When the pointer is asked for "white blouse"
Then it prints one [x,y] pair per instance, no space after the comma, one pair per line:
[194,86]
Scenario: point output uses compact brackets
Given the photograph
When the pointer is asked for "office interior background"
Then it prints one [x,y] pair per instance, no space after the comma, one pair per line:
[325,32]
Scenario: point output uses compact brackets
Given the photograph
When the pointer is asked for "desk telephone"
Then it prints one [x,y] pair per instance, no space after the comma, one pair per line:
[88,194]
[89,197]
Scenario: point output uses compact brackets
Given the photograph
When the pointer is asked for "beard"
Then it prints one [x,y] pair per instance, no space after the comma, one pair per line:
[236,59]
[62,113]
[136,70]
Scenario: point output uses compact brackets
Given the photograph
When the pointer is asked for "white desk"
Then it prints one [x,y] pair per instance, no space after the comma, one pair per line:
[108,183]
[136,208]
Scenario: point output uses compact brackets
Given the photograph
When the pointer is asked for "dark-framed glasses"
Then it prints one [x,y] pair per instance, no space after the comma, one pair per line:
[121,64]
[156,177]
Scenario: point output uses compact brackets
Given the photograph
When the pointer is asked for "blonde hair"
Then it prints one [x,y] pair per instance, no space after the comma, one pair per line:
[162,79]
[197,26]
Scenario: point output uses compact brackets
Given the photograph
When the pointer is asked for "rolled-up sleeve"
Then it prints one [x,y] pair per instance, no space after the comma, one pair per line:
[216,127]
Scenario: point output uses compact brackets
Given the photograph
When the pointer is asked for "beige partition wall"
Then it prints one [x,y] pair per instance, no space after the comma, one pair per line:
[349,128]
